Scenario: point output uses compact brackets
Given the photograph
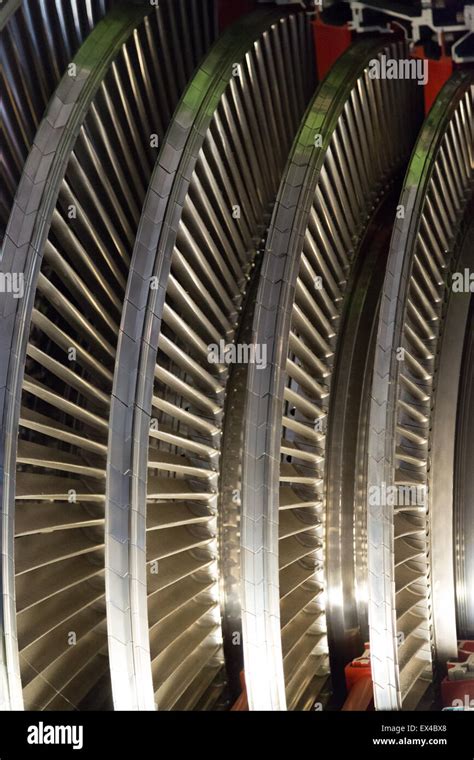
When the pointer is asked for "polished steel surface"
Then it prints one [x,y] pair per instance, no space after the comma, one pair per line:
[85,206]
[39,39]
[235,370]
[347,430]
[322,211]
[463,483]
[221,151]
[44,189]
[406,619]
[446,536]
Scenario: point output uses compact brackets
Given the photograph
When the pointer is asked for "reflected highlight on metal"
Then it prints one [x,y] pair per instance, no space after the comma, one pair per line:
[236,361]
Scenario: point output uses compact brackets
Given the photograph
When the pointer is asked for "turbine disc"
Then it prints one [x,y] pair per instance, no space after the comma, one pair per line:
[236,360]
[351,145]
[216,177]
[39,41]
[408,541]
[70,235]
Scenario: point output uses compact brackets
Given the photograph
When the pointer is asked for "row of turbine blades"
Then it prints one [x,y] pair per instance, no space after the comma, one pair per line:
[175,523]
